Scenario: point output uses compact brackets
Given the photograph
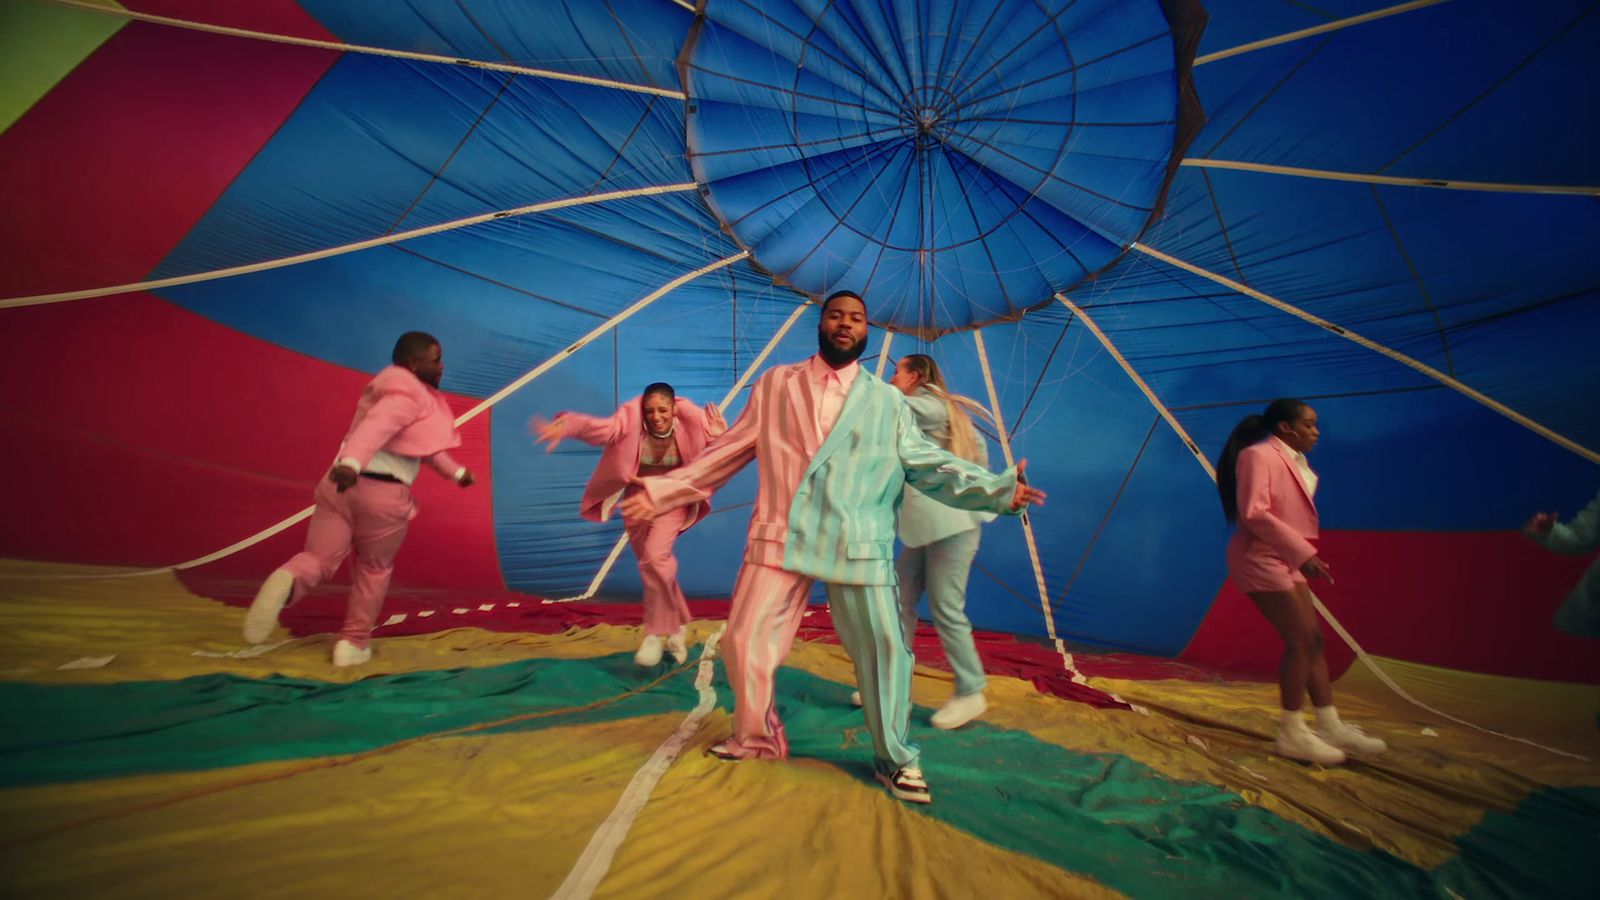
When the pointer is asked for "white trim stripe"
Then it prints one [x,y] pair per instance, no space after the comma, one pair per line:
[595,861]
[297,259]
[1375,347]
[1303,33]
[341,47]
[1448,184]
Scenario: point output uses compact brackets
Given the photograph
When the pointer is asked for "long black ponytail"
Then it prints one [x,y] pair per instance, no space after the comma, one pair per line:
[1250,430]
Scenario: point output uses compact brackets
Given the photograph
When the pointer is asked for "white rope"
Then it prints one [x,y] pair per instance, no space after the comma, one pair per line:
[599,577]
[883,355]
[213,275]
[597,331]
[471,414]
[686,5]
[1363,178]
[595,861]
[1027,525]
[369,50]
[761,357]
[229,550]
[1383,676]
[1316,30]
[1326,614]
[1376,347]
[616,551]
[1144,388]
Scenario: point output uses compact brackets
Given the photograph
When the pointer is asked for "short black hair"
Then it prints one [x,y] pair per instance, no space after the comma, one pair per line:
[837,294]
[660,387]
[411,345]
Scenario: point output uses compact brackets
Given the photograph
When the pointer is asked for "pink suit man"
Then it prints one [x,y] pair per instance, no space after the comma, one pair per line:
[835,447]
[365,503]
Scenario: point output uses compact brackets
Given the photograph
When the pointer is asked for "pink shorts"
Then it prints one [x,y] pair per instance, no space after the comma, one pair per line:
[1256,569]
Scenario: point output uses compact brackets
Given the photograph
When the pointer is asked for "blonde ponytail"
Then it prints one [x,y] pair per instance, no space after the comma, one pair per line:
[964,441]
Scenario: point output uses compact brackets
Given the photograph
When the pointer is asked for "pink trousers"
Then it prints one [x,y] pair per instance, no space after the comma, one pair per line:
[665,608]
[370,518]
[768,605]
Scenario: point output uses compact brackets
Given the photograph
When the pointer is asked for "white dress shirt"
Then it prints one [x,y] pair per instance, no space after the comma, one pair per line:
[1302,466]
[405,468]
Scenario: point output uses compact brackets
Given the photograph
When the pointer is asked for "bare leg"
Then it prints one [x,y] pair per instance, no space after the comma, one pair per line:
[1303,666]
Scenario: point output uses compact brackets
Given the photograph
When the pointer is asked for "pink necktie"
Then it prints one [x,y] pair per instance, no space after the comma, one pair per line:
[830,404]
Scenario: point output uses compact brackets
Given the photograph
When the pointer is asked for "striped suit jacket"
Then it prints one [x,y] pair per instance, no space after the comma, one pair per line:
[827,509]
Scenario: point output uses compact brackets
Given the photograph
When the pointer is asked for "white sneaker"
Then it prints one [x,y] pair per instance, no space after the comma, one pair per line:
[1352,740]
[348,654]
[958,711]
[650,651]
[269,601]
[855,698]
[1304,745]
[677,645]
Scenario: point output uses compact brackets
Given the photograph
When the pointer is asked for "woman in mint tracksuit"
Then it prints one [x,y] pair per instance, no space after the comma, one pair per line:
[941,542]
[1580,613]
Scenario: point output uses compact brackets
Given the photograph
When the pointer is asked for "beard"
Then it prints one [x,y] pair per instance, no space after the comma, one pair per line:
[833,355]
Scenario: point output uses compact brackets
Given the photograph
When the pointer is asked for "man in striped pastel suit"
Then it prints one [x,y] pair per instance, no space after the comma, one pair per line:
[835,446]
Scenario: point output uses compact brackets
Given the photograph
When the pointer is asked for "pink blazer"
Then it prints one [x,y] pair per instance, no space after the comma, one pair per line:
[778,426]
[400,414]
[1276,515]
[622,436]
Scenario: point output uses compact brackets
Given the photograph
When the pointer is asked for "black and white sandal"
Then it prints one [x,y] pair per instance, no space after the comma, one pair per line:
[907,784]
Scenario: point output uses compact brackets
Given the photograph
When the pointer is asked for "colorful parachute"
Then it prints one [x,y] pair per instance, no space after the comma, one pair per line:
[1123,224]
[960,166]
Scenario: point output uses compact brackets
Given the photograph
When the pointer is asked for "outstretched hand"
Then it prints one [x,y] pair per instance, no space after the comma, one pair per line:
[1539,525]
[638,507]
[546,431]
[715,424]
[1025,494]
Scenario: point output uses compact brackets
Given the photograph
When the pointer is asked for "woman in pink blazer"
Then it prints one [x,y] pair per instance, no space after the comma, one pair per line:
[1267,486]
[649,436]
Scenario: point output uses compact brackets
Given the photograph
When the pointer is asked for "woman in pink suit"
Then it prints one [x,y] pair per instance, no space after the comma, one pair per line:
[1267,486]
[649,436]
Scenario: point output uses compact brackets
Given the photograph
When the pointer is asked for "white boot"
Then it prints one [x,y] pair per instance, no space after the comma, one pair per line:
[1296,741]
[269,601]
[650,651]
[348,654]
[678,646]
[958,711]
[1344,736]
